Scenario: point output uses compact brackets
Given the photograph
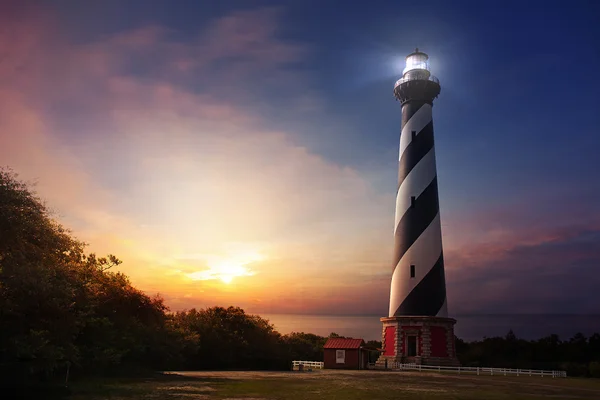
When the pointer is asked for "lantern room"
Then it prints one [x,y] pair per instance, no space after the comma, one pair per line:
[417,64]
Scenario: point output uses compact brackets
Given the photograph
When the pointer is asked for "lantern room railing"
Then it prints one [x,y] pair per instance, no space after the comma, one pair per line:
[416,78]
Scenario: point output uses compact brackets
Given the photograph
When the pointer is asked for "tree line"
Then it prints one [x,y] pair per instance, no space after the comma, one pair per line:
[65,311]
[579,356]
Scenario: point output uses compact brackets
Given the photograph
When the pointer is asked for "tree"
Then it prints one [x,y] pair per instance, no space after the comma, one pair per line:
[595,369]
[577,348]
[373,354]
[510,336]
[37,283]
[304,346]
[594,347]
[60,306]
[230,338]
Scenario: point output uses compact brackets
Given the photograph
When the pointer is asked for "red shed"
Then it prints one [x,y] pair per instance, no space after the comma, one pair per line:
[345,353]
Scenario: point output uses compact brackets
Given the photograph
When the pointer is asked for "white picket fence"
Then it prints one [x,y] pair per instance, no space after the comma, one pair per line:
[474,370]
[308,364]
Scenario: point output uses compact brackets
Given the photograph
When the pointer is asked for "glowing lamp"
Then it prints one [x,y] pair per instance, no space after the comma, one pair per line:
[417,63]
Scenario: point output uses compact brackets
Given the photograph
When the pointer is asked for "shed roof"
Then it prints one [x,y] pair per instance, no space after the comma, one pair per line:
[343,343]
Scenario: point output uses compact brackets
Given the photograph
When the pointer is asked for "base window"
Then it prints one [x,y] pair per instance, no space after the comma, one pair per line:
[340,356]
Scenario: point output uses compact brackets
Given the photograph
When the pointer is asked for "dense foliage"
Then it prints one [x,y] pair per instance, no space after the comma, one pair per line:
[230,338]
[62,309]
[579,356]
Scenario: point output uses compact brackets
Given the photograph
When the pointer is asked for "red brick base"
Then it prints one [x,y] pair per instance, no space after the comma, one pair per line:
[434,335]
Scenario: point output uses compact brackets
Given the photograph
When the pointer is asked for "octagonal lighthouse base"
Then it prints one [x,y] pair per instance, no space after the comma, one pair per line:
[420,340]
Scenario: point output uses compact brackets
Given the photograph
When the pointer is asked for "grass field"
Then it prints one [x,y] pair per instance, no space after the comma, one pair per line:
[339,385]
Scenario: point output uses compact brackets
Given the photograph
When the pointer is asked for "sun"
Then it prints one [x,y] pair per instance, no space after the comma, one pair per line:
[227,269]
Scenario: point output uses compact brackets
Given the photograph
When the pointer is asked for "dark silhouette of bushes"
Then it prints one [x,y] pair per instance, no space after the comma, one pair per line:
[62,309]
[229,338]
[579,356]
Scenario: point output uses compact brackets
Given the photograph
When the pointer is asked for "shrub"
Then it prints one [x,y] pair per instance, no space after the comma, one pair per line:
[595,369]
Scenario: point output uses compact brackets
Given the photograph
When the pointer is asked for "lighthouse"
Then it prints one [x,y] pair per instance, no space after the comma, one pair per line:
[417,328]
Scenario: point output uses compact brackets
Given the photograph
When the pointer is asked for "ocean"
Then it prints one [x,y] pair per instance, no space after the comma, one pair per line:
[468,327]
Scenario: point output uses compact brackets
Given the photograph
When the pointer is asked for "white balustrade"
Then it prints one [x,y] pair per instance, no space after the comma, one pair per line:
[308,364]
[474,370]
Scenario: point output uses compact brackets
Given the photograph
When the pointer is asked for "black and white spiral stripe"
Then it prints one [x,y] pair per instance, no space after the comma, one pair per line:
[417,232]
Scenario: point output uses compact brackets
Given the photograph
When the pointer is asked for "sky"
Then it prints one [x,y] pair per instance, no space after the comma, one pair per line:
[245,152]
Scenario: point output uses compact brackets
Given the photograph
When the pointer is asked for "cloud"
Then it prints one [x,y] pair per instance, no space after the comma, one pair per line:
[533,254]
[132,141]
[552,274]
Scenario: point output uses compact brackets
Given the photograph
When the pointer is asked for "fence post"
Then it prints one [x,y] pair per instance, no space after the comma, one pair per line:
[477,371]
